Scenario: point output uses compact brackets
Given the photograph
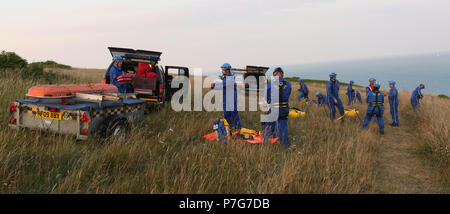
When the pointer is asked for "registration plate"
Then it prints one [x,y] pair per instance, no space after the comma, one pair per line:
[49,115]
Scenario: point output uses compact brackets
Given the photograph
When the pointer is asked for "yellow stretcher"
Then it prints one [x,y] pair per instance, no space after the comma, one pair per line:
[295,113]
[349,113]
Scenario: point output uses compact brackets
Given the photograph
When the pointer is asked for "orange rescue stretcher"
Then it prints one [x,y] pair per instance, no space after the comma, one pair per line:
[68,91]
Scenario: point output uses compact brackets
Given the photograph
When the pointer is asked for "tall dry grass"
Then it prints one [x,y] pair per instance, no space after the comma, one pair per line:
[166,154]
[430,126]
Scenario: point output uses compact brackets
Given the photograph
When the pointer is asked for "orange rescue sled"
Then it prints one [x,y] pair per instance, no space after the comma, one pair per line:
[68,91]
[256,139]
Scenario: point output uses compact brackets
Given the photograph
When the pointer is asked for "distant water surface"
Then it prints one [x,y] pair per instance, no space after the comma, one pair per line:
[433,70]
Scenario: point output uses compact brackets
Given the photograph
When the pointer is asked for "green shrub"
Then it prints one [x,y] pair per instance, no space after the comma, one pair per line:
[443,96]
[51,64]
[10,60]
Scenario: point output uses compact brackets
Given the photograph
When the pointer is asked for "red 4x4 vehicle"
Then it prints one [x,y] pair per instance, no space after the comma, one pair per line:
[157,90]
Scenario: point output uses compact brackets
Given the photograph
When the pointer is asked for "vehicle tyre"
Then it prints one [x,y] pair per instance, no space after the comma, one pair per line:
[117,129]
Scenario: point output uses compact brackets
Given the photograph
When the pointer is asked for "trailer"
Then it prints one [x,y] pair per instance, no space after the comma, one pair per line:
[85,115]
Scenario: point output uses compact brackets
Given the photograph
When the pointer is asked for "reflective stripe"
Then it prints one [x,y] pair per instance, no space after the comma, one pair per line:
[376,104]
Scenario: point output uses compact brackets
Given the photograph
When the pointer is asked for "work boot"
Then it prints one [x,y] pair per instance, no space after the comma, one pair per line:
[382,132]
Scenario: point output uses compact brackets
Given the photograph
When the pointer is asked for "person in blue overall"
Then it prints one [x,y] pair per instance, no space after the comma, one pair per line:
[369,89]
[375,99]
[321,98]
[333,96]
[416,96]
[116,71]
[277,95]
[351,94]
[229,89]
[303,90]
[393,103]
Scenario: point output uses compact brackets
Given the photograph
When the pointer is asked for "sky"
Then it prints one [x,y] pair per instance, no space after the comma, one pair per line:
[205,34]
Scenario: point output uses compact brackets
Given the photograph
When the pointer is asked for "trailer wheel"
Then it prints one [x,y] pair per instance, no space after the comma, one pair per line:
[118,129]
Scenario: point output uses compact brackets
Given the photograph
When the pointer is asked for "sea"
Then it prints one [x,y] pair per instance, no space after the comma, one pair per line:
[433,70]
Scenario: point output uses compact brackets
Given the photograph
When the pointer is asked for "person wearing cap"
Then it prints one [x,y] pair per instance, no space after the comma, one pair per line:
[333,96]
[350,93]
[375,99]
[416,96]
[393,103]
[303,90]
[277,95]
[114,72]
[370,87]
[321,98]
[229,89]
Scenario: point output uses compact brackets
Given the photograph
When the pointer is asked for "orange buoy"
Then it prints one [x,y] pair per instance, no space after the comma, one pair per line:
[67,91]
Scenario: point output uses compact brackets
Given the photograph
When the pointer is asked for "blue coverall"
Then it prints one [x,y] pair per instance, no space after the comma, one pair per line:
[350,93]
[322,100]
[375,108]
[416,96]
[333,93]
[368,90]
[279,127]
[303,91]
[358,95]
[229,89]
[393,103]
[114,73]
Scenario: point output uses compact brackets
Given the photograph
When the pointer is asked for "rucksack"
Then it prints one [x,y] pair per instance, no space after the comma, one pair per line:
[222,130]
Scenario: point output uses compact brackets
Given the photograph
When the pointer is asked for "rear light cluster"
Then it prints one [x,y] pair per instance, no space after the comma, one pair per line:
[84,118]
[12,110]
[161,90]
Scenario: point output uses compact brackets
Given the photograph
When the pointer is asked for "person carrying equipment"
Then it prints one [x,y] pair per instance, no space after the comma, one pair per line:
[303,90]
[350,93]
[321,98]
[277,95]
[416,96]
[229,88]
[375,99]
[393,103]
[333,96]
[115,72]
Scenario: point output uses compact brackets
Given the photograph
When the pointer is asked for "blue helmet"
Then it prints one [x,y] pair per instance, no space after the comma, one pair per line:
[377,85]
[117,59]
[300,79]
[318,94]
[423,86]
[333,74]
[372,80]
[278,69]
[226,66]
[392,82]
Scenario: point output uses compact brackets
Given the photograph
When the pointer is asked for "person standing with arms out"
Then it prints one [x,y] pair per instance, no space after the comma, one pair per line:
[375,99]
[277,95]
[303,90]
[416,96]
[333,96]
[229,90]
[350,93]
[393,103]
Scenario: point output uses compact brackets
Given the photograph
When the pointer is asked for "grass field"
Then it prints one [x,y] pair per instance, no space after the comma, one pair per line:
[167,154]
